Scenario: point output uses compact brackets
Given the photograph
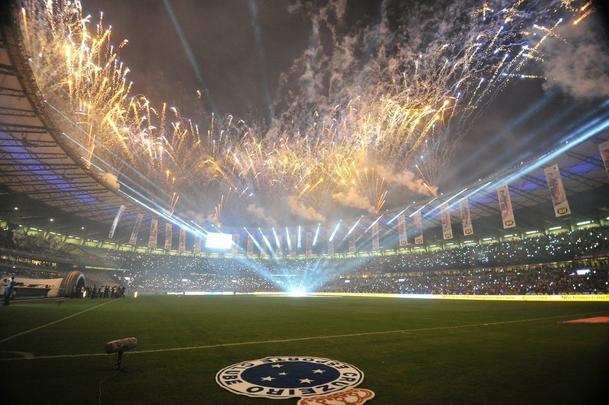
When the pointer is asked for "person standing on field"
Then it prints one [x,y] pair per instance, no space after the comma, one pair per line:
[8,291]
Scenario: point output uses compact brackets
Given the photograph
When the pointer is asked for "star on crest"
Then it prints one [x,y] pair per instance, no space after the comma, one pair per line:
[318,371]
[277,365]
[306,381]
[268,378]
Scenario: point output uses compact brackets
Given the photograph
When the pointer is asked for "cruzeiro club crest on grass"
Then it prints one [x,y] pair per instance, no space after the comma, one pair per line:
[283,377]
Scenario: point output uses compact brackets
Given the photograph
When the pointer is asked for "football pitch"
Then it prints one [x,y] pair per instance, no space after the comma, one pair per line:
[411,351]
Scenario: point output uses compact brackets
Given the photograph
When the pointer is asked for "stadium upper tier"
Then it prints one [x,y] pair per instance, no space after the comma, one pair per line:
[556,262]
[587,238]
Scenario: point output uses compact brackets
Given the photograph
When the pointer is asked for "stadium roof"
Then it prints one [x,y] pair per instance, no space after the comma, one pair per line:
[33,160]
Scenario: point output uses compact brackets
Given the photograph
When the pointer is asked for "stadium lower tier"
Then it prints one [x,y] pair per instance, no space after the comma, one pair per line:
[565,263]
[513,280]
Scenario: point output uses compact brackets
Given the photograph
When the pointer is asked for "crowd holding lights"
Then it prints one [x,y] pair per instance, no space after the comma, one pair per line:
[408,106]
[568,262]
[513,267]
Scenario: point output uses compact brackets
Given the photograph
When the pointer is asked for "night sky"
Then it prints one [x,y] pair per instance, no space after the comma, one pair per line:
[222,37]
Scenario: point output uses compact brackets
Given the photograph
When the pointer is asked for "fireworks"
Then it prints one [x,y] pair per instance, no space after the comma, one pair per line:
[384,121]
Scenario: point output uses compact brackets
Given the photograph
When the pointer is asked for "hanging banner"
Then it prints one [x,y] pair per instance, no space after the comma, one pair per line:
[235,246]
[417,221]
[168,235]
[331,247]
[447,226]
[250,247]
[136,229]
[117,218]
[352,244]
[505,206]
[375,237]
[154,230]
[557,191]
[308,244]
[466,218]
[197,246]
[603,148]
[182,241]
[402,230]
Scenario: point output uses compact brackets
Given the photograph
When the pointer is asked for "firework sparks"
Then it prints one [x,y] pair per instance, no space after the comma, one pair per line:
[326,144]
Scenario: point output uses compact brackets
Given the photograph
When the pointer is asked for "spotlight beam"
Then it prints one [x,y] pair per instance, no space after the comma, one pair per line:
[299,243]
[352,228]
[287,238]
[334,232]
[316,235]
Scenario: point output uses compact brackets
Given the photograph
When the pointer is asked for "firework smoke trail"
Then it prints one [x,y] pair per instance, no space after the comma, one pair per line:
[408,101]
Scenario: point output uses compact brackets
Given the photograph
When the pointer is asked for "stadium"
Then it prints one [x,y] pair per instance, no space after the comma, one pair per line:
[314,202]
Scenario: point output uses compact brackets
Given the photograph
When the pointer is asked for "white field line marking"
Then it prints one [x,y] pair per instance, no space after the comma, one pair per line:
[25,332]
[302,339]
[25,355]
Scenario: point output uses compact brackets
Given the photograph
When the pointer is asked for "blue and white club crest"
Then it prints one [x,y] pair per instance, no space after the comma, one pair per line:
[282,377]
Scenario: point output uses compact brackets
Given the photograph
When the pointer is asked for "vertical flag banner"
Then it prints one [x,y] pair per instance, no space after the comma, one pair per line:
[154,230]
[352,244]
[603,148]
[308,244]
[136,229]
[331,247]
[168,235]
[466,217]
[417,221]
[375,237]
[235,247]
[250,247]
[182,241]
[117,218]
[557,191]
[505,206]
[197,246]
[447,226]
[402,230]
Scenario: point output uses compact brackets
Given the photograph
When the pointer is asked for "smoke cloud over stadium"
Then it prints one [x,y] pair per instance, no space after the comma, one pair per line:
[402,89]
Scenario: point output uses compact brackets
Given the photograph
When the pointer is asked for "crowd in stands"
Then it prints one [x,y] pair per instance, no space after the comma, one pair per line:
[512,280]
[518,280]
[520,266]
[514,267]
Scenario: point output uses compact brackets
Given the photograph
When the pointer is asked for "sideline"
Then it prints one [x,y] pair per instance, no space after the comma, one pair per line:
[25,332]
[302,339]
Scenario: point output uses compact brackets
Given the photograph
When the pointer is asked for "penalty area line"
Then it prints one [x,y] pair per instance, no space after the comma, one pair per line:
[304,339]
[25,332]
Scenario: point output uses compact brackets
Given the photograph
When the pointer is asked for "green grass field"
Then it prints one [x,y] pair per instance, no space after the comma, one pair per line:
[425,352]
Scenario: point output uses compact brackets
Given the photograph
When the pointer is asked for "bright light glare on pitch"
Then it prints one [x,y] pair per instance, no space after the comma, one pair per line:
[221,241]
[297,293]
